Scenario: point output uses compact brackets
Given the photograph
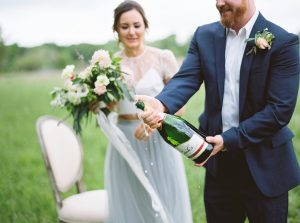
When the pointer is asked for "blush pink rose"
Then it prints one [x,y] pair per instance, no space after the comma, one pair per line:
[262,43]
[102,57]
[100,89]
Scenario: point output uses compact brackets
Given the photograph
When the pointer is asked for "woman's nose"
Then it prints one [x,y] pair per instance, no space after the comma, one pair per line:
[131,30]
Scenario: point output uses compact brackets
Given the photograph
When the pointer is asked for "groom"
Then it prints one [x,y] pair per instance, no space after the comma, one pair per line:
[251,92]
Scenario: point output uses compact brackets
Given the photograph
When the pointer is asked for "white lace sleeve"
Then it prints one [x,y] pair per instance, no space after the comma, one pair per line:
[169,64]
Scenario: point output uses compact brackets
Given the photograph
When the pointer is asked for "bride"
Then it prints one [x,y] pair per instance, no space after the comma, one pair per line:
[158,192]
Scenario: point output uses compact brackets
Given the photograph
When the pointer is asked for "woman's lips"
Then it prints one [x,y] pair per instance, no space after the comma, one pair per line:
[132,40]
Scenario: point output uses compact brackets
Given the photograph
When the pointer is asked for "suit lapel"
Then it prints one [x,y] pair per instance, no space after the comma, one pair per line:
[247,61]
[220,44]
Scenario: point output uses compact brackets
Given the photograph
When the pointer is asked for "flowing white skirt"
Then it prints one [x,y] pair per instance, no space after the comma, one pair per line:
[129,202]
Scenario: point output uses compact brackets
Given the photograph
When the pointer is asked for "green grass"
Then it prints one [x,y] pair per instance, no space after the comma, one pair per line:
[25,193]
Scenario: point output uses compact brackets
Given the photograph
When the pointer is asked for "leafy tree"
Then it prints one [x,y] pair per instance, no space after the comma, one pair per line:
[51,56]
[171,44]
[2,49]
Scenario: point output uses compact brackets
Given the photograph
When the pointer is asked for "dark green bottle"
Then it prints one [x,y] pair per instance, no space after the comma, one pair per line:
[183,136]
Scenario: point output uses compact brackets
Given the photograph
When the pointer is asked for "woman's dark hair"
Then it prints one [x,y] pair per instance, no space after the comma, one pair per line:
[125,7]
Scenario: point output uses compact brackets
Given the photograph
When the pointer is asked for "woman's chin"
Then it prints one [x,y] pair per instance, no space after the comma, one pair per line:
[133,45]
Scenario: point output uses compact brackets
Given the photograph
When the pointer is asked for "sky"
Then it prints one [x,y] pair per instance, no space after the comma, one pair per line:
[64,22]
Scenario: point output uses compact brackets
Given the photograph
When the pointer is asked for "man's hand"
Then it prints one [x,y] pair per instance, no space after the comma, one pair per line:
[153,108]
[218,143]
[150,103]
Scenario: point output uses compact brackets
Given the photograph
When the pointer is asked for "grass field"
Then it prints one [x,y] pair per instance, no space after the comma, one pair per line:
[25,193]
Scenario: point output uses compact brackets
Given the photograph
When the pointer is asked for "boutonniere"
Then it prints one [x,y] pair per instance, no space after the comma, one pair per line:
[262,40]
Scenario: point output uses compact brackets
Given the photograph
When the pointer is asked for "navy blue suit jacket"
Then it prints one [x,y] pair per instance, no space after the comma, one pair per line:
[269,82]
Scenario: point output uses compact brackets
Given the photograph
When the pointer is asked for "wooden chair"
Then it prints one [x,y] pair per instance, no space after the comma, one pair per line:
[63,157]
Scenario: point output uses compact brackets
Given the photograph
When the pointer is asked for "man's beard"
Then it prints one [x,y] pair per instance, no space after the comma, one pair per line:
[236,16]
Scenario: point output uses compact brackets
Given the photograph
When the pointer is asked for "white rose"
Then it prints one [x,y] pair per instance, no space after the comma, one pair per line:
[68,72]
[102,80]
[59,101]
[68,84]
[82,90]
[74,98]
[101,56]
[100,89]
[85,73]
[100,84]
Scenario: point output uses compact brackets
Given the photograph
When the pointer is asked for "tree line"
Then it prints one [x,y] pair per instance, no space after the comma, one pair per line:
[14,58]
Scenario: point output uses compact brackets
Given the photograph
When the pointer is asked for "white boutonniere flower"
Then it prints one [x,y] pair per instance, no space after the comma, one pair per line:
[262,40]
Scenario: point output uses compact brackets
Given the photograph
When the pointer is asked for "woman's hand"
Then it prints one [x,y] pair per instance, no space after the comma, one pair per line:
[94,106]
[140,132]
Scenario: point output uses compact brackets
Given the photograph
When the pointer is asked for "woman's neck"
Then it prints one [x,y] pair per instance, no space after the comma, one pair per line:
[134,51]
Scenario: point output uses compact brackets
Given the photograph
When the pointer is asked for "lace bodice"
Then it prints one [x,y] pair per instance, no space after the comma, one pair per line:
[147,73]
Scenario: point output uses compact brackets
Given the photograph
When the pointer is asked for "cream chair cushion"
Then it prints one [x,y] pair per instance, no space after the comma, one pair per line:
[86,207]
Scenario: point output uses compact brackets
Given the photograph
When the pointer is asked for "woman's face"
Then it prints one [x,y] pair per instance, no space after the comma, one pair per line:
[131,29]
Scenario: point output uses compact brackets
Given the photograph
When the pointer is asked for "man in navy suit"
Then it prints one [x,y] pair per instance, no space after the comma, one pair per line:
[249,101]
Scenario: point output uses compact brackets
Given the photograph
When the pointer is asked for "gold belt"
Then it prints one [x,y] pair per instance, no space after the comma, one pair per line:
[128,117]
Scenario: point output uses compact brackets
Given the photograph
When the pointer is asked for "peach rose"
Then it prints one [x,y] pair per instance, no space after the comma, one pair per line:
[102,57]
[262,43]
[100,89]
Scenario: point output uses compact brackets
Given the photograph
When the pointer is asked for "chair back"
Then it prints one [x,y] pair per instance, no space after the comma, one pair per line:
[62,152]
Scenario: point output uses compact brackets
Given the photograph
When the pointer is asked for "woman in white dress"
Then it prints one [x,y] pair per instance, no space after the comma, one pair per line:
[148,70]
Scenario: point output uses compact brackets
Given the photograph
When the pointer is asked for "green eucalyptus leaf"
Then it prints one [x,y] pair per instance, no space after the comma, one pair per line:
[125,90]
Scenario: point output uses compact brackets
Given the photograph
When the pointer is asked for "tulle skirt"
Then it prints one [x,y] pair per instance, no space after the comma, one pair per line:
[128,200]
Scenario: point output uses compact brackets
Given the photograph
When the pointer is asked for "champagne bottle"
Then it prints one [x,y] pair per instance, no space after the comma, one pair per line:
[183,136]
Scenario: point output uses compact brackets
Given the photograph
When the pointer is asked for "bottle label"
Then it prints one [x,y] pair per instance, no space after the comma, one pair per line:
[194,147]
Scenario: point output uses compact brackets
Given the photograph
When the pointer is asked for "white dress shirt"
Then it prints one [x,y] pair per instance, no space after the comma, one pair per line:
[235,47]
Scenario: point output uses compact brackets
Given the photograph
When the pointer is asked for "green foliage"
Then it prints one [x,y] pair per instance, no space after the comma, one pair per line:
[26,194]
[47,56]
[11,54]
[2,48]
[171,44]
[50,56]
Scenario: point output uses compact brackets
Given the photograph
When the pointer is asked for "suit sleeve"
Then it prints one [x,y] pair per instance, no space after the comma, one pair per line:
[185,82]
[280,102]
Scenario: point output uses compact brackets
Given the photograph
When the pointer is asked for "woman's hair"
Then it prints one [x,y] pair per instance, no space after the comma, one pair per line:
[125,7]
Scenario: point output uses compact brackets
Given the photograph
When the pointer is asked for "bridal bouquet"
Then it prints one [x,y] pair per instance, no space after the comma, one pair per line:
[101,83]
